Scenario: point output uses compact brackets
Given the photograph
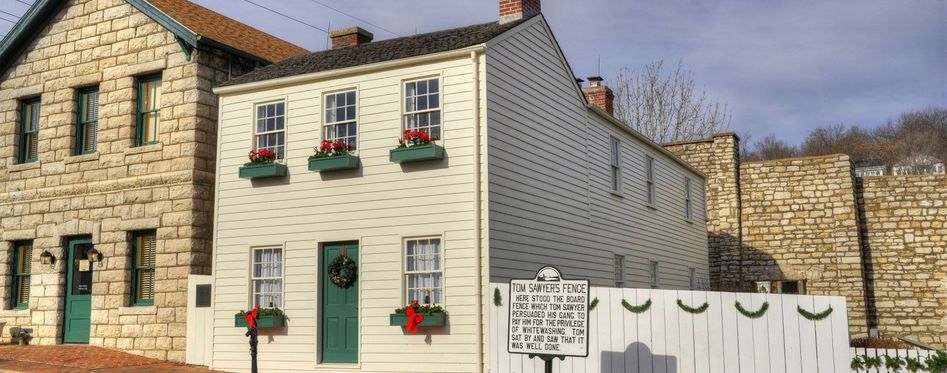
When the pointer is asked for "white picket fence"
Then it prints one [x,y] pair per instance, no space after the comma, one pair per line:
[666,339]
[882,352]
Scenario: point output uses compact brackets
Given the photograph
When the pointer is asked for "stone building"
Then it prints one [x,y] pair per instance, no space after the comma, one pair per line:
[809,225]
[107,158]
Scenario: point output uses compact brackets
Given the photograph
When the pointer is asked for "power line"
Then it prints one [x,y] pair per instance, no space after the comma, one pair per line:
[357,18]
[4,19]
[23,2]
[284,15]
[10,14]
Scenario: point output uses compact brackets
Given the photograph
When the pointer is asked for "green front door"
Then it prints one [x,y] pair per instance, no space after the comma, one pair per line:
[339,309]
[78,315]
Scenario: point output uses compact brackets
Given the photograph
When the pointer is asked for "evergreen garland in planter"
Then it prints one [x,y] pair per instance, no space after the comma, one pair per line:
[636,309]
[593,304]
[755,314]
[814,316]
[692,310]
[497,298]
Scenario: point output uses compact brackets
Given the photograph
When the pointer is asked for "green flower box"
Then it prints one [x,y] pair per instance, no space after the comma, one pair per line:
[430,319]
[275,321]
[262,170]
[339,162]
[416,153]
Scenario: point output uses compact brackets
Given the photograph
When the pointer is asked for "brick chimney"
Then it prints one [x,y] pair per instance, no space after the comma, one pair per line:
[515,10]
[599,95]
[350,37]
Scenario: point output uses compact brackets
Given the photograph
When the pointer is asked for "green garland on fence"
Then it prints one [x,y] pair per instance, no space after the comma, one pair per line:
[755,314]
[636,309]
[814,316]
[497,298]
[692,310]
[593,304]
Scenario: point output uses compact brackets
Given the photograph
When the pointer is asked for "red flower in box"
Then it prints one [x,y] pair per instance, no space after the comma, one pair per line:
[262,156]
[415,138]
[331,148]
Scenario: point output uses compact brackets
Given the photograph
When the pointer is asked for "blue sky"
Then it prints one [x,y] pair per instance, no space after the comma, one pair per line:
[783,67]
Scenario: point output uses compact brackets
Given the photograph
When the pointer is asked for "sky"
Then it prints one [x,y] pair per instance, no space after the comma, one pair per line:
[782,67]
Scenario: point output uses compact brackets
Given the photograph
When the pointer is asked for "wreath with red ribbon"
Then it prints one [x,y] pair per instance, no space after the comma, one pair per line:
[342,271]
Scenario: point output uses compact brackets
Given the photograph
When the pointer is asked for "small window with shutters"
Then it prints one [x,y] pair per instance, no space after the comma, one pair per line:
[143,268]
[87,127]
[28,146]
[22,261]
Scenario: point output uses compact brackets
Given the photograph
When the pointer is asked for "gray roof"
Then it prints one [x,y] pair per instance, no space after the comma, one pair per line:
[381,51]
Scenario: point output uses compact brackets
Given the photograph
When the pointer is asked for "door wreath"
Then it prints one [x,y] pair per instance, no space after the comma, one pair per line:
[342,271]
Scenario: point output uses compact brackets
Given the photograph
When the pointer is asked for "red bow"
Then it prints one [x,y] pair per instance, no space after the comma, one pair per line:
[413,318]
[251,318]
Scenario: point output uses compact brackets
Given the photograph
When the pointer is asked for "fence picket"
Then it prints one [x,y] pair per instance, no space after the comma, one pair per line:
[731,334]
[631,330]
[715,327]
[700,339]
[645,328]
[840,340]
[825,352]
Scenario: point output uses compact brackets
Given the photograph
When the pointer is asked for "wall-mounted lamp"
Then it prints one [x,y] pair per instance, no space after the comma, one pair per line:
[94,256]
[47,259]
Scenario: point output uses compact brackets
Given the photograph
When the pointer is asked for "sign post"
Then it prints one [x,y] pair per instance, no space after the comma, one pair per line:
[549,317]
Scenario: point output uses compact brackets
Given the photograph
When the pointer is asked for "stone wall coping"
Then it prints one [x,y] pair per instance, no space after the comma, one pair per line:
[81,158]
[138,310]
[24,312]
[23,166]
[794,159]
[144,149]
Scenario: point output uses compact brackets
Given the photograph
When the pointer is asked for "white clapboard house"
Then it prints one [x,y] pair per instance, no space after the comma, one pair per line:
[529,169]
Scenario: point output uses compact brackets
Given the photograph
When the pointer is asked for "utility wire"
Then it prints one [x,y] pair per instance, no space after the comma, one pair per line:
[284,15]
[357,18]
[4,19]
[10,14]
[23,2]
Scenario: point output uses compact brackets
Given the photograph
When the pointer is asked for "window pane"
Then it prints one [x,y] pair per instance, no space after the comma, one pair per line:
[150,127]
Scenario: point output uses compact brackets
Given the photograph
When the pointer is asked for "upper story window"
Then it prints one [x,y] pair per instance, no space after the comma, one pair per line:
[424,275]
[28,147]
[422,106]
[615,161]
[341,123]
[271,128]
[87,127]
[22,261]
[688,213]
[267,277]
[149,108]
[692,278]
[619,264]
[655,274]
[143,268]
[651,198]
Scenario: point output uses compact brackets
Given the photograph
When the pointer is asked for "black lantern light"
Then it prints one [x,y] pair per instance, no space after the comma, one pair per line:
[94,256]
[46,258]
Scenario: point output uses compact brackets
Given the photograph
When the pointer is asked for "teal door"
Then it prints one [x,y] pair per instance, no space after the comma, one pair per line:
[339,309]
[78,315]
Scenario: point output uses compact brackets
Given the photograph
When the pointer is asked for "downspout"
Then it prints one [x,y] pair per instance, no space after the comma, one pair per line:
[478,212]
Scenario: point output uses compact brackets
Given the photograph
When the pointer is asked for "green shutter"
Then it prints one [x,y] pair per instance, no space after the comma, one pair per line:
[143,269]
[149,108]
[22,263]
[28,147]
[87,126]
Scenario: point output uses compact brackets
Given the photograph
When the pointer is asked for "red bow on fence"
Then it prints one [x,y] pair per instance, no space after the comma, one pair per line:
[251,318]
[413,318]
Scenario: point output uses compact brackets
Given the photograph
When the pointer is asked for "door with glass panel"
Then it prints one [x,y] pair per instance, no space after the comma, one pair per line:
[339,308]
[78,311]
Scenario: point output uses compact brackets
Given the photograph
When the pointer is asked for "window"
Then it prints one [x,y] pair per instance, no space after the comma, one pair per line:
[423,274]
[791,287]
[655,274]
[22,260]
[267,277]
[29,131]
[649,181]
[271,128]
[143,268]
[615,159]
[687,199]
[341,123]
[87,127]
[619,270]
[692,278]
[422,110]
[149,107]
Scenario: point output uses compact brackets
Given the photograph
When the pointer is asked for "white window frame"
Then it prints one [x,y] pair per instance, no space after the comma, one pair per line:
[614,160]
[654,272]
[406,274]
[281,278]
[257,134]
[651,197]
[405,113]
[325,112]
[688,201]
[619,269]
[692,278]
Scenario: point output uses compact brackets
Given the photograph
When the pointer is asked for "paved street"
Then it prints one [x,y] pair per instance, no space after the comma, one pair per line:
[55,359]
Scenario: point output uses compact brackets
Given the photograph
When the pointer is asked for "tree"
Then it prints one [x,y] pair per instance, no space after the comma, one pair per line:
[771,147]
[667,107]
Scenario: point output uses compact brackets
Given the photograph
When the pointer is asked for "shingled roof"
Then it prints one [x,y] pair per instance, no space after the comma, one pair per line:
[380,51]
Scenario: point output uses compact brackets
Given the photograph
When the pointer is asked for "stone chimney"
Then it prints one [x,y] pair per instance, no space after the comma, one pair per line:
[599,95]
[350,37]
[515,10]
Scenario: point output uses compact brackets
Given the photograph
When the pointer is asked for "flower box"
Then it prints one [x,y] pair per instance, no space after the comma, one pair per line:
[274,321]
[417,153]
[430,319]
[262,170]
[339,162]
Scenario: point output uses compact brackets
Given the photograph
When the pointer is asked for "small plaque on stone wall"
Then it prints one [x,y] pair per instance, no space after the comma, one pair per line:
[203,295]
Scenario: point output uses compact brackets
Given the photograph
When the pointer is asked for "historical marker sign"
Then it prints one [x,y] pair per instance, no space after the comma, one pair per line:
[549,315]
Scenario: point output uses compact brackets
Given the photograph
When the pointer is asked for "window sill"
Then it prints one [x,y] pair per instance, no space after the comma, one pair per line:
[145,148]
[15,312]
[23,166]
[82,158]
[137,310]
[617,194]
[651,206]
[689,221]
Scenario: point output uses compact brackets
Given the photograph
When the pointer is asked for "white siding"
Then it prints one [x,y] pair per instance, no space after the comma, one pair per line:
[549,186]
[379,204]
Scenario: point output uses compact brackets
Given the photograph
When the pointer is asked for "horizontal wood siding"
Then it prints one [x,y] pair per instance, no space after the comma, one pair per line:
[378,205]
[549,179]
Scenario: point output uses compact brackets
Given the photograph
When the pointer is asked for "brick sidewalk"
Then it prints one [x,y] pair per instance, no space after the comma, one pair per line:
[62,359]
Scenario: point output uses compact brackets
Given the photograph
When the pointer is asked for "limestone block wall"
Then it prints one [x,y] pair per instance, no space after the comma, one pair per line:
[905,220]
[119,189]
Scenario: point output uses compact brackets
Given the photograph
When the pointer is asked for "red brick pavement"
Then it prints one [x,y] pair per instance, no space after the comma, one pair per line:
[81,359]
